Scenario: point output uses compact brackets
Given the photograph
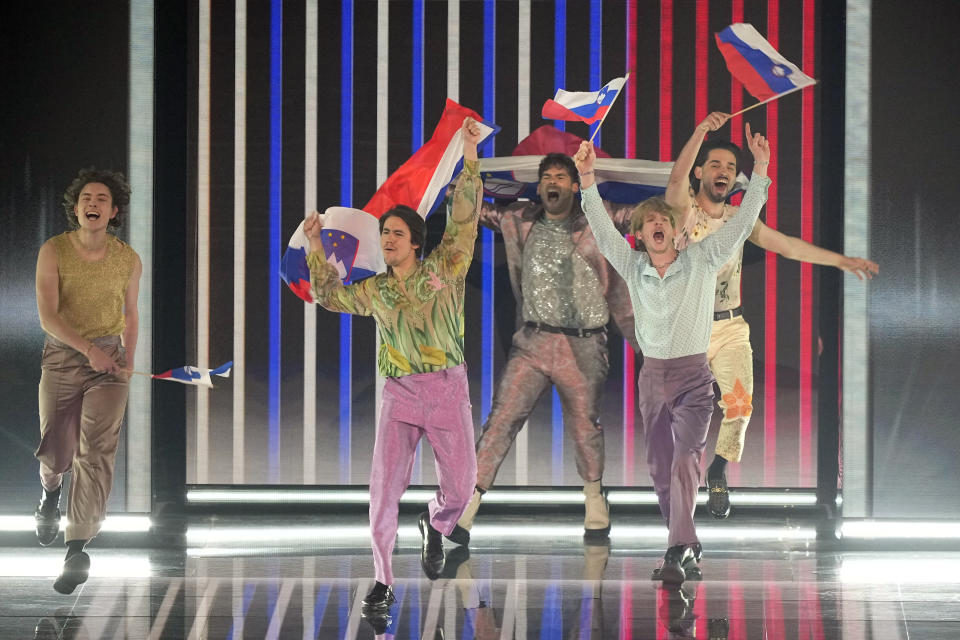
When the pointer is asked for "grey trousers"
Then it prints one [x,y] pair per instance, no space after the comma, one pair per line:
[81,411]
[676,402]
[578,368]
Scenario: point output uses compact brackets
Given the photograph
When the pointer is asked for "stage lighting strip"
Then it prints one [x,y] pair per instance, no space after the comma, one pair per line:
[630,151]
[273,238]
[310,164]
[106,564]
[346,200]
[416,496]
[204,541]
[900,530]
[112,524]
[486,235]
[203,235]
[770,277]
[140,170]
[239,241]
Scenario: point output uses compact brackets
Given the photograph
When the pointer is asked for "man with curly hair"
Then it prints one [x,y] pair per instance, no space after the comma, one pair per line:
[418,306]
[87,286]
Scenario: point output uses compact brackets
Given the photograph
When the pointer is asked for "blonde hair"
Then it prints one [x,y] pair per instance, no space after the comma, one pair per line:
[656,204]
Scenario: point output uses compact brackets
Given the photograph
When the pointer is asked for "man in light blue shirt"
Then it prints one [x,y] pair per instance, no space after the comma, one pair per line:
[672,294]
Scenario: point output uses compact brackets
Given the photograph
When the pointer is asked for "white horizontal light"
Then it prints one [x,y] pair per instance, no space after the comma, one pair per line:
[900,571]
[218,540]
[899,529]
[103,564]
[114,524]
[308,496]
[419,496]
[742,498]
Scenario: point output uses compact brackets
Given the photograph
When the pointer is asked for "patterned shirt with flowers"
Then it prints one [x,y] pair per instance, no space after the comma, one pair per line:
[421,323]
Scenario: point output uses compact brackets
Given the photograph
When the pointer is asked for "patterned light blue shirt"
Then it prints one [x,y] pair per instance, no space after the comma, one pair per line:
[674,314]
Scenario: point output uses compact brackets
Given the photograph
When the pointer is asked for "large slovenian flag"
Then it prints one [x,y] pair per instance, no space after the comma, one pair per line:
[351,237]
[618,180]
[762,70]
[584,106]
[194,375]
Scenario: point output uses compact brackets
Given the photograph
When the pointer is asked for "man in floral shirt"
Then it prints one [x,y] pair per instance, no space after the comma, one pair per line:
[418,307]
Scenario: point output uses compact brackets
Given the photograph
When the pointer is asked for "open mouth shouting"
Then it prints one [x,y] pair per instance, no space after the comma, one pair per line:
[658,237]
[552,196]
[720,183]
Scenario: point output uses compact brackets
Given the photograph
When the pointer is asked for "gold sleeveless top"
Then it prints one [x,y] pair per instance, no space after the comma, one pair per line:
[92,293]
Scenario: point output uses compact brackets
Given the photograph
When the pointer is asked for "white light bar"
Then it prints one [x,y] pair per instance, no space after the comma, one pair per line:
[113,524]
[103,564]
[419,496]
[900,571]
[217,540]
[900,529]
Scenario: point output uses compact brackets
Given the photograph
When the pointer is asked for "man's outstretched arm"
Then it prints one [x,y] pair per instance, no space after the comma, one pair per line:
[796,249]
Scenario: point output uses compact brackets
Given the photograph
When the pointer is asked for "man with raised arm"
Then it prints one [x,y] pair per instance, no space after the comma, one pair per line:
[672,296]
[713,167]
[418,307]
[566,294]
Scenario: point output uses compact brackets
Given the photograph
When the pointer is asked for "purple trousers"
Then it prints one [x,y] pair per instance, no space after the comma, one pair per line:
[435,405]
[676,402]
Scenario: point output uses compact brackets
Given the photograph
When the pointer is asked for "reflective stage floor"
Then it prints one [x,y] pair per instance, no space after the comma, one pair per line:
[304,577]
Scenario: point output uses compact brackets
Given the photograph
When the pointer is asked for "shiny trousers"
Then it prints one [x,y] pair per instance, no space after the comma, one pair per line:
[436,406]
[81,411]
[676,403]
[578,368]
[731,360]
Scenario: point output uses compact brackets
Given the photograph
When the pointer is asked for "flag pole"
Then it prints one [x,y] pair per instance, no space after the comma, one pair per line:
[771,99]
[625,78]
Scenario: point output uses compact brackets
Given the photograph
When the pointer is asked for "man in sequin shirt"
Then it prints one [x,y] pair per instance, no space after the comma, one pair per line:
[566,293]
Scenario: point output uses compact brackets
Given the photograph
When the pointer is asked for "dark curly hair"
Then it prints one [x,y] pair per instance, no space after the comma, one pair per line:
[114,180]
[559,161]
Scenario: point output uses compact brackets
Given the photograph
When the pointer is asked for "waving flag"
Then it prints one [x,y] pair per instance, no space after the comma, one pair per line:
[762,70]
[194,376]
[585,106]
[618,180]
[351,237]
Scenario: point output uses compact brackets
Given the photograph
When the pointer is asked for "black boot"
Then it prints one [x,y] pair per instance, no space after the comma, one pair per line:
[76,568]
[379,598]
[47,516]
[718,499]
[431,555]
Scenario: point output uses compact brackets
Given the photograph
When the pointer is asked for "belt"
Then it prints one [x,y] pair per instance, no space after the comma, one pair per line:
[579,333]
[729,314]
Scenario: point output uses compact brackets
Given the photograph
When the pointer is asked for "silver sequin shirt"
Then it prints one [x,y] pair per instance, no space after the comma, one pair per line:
[559,286]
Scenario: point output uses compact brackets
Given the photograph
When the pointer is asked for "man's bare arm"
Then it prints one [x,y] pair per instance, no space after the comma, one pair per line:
[796,249]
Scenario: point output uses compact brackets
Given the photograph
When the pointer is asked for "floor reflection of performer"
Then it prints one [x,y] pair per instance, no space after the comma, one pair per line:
[713,166]
[566,293]
[87,287]
[418,306]
[672,295]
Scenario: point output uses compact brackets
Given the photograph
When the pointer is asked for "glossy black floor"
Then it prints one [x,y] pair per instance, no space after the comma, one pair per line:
[304,577]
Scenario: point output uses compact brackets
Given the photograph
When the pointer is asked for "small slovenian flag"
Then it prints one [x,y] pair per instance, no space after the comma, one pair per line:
[195,376]
[762,70]
[584,106]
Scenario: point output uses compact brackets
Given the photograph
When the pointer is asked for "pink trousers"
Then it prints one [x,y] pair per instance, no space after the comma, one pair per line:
[435,405]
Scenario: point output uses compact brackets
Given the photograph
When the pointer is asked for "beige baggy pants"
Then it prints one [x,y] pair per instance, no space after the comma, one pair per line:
[731,361]
[81,411]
